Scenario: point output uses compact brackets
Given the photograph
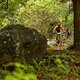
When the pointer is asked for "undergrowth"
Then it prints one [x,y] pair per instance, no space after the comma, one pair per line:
[53,66]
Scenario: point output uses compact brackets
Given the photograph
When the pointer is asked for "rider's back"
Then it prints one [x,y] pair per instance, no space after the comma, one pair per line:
[58,27]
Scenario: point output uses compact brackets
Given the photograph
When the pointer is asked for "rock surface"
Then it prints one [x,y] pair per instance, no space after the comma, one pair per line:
[19,43]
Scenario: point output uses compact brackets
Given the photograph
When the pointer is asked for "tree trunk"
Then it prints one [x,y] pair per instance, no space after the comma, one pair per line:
[76,7]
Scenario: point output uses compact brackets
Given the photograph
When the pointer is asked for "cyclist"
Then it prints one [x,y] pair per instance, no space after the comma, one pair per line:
[57,29]
[68,33]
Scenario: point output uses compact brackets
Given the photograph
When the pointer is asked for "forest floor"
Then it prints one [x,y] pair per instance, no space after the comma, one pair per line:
[58,47]
[52,45]
[56,64]
[70,61]
[69,58]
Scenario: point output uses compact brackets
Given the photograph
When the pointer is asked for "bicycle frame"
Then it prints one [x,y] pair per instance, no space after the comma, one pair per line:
[59,38]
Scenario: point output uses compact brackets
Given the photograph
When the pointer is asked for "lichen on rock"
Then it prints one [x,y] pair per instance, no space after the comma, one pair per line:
[19,43]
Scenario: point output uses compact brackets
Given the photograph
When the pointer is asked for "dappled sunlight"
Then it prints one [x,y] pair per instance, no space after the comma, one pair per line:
[39,40]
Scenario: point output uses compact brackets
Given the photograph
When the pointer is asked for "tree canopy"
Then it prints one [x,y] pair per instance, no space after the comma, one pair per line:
[37,14]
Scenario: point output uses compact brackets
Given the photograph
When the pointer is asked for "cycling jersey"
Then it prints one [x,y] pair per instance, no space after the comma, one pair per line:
[58,28]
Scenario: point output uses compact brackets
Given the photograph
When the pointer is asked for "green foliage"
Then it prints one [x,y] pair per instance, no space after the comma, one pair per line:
[37,14]
[53,77]
[25,72]
[18,76]
[54,66]
[58,61]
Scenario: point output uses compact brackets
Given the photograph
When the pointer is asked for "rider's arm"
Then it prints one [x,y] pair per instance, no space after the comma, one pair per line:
[54,28]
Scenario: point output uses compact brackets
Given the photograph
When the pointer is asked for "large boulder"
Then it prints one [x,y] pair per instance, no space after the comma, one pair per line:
[19,43]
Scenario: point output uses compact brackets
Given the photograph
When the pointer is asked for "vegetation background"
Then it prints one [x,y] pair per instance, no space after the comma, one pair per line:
[41,15]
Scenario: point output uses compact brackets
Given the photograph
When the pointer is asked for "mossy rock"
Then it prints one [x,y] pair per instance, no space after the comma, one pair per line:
[19,43]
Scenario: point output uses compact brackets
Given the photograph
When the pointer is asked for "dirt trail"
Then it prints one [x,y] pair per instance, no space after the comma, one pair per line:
[53,46]
[57,47]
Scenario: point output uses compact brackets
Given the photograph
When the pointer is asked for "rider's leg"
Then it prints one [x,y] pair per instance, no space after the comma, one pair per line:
[59,42]
[60,45]
[58,38]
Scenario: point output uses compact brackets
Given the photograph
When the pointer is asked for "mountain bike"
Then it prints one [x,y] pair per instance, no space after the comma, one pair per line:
[60,40]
